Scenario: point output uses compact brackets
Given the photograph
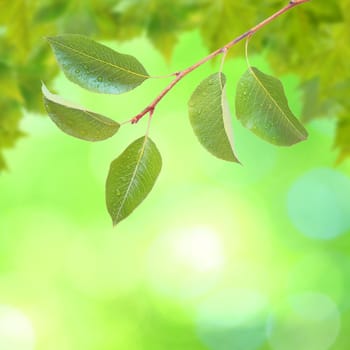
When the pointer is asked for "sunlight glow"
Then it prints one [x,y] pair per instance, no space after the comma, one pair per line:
[200,248]
[186,262]
[16,330]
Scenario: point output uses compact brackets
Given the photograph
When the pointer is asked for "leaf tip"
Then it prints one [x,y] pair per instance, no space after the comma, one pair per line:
[237,161]
[44,88]
[303,134]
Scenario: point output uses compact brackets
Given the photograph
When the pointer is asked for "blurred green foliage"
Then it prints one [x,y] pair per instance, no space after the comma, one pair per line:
[310,42]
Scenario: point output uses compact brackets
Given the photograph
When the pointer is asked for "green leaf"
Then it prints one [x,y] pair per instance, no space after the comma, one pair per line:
[40,65]
[3,165]
[51,11]
[10,116]
[77,121]
[262,107]
[330,11]
[9,89]
[131,177]
[160,21]
[314,106]
[220,22]
[342,138]
[210,117]
[97,67]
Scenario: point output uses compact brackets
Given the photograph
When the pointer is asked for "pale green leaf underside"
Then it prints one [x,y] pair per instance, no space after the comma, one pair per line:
[131,177]
[96,67]
[262,107]
[77,121]
[210,117]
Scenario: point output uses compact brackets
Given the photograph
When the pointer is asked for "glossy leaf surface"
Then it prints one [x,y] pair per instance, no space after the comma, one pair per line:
[131,177]
[210,117]
[262,107]
[96,67]
[77,121]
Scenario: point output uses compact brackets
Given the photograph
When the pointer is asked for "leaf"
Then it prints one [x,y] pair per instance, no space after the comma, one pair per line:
[314,106]
[161,21]
[9,89]
[3,165]
[77,121]
[10,116]
[131,177]
[262,107]
[330,11]
[51,11]
[210,117]
[220,22]
[15,15]
[79,20]
[97,67]
[342,138]
[39,65]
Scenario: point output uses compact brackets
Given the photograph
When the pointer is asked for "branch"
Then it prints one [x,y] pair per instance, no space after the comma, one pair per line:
[223,50]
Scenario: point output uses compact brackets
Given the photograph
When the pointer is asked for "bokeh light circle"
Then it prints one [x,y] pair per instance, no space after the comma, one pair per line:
[233,318]
[16,330]
[306,321]
[319,204]
[186,262]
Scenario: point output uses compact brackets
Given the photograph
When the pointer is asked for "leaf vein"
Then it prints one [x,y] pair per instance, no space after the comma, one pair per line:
[275,103]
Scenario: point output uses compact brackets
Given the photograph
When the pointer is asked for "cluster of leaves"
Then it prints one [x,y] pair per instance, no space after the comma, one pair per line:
[311,43]
[260,105]
[299,43]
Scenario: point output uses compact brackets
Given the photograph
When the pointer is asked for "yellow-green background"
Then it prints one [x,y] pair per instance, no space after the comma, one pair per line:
[219,256]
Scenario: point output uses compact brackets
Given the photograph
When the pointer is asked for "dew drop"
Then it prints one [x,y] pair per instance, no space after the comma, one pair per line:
[250,124]
[99,79]
[77,71]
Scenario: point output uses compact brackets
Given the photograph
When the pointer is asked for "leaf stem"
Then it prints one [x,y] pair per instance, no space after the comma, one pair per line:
[224,55]
[246,50]
[223,50]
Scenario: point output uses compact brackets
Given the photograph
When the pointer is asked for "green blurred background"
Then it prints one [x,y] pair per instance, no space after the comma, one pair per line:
[219,256]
